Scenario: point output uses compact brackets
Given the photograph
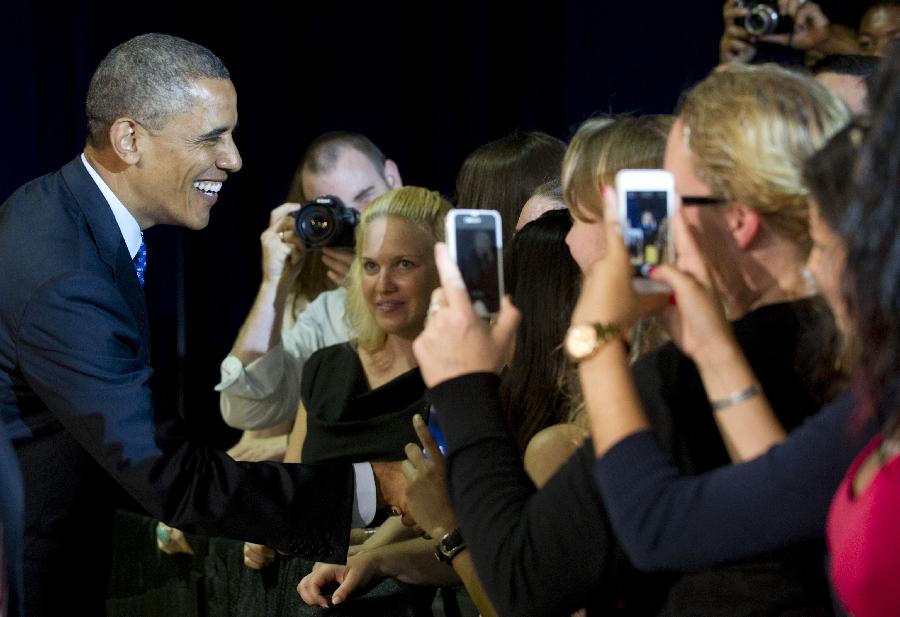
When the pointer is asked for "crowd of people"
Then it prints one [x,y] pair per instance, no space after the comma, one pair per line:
[727,447]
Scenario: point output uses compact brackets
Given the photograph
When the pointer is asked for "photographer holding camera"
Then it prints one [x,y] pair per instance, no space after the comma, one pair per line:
[260,385]
[817,28]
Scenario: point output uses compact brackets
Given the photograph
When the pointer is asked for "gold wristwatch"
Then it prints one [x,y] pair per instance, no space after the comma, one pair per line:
[585,340]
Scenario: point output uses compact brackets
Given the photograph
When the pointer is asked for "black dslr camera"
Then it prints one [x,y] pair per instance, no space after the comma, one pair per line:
[764,18]
[326,221]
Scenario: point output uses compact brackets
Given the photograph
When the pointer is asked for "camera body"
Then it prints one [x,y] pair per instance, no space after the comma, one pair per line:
[326,221]
[764,18]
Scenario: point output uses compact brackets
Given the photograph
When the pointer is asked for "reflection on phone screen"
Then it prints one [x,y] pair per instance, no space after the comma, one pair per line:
[476,256]
[646,228]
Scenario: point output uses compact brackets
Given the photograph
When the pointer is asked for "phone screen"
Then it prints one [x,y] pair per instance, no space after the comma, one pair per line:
[646,230]
[478,258]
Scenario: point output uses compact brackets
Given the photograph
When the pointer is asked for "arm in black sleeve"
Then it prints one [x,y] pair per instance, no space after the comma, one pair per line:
[79,350]
[668,521]
[536,552]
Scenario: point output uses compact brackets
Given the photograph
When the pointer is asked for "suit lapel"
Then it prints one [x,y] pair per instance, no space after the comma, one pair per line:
[108,238]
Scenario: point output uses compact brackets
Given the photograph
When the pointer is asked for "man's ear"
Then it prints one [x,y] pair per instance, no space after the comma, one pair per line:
[124,136]
[744,223]
[392,174]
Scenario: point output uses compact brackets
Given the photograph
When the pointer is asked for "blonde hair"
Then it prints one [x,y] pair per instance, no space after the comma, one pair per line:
[425,210]
[602,147]
[599,150]
[750,129]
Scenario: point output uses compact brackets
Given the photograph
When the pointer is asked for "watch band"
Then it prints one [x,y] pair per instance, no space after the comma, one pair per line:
[583,341]
[450,546]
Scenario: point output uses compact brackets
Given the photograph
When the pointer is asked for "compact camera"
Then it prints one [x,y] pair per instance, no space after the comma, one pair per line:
[326,221]
[764,18]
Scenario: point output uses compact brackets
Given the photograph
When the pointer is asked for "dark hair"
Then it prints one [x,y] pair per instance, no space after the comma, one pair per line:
[322,154]
[871,230]
[552,189]
[147,78]
[846,64]
[502,175]
[543,280]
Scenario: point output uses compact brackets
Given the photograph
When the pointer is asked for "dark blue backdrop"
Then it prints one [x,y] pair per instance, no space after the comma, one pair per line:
[428,81]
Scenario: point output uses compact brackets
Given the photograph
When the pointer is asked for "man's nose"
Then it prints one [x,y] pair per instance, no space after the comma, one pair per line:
[230,158]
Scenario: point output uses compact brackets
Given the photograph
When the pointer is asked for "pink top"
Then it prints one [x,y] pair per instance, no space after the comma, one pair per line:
[864,540]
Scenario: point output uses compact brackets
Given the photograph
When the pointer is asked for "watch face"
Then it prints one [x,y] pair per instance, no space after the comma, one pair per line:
[580,341]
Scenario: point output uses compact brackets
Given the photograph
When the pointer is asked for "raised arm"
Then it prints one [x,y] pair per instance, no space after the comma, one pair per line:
[523,542]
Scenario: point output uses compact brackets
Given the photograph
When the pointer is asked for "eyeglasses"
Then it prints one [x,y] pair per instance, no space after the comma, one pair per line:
[696,200]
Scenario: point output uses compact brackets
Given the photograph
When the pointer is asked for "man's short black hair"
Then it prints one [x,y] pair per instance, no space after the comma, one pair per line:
[850,64]
[147,78]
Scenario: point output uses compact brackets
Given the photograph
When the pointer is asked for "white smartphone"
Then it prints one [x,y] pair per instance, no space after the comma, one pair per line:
[475,242]
[646,205]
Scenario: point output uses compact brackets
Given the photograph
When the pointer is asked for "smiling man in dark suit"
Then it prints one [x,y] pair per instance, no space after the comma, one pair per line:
[74,372]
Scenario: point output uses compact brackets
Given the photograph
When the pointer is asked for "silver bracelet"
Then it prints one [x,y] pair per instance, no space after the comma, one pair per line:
[738,397]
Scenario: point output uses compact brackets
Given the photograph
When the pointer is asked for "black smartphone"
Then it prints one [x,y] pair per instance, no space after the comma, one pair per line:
[475,242]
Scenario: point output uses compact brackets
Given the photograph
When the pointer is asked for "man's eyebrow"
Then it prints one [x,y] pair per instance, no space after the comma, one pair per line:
[363,192]
[215,133]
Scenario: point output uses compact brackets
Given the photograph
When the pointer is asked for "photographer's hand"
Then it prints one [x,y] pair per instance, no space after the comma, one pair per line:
[338,262]
[282,250]
[736,44]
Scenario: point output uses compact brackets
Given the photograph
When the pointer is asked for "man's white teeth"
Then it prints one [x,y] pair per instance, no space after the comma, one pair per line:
[208,187]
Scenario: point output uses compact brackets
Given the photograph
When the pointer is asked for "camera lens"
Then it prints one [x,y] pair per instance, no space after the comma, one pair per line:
[761,20]
[325,221]
[316,225]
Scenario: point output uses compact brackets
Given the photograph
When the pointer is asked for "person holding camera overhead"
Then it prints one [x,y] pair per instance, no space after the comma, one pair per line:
[260,378]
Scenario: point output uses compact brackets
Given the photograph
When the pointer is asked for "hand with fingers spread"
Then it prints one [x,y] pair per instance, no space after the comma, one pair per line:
[427,499]
[455,341]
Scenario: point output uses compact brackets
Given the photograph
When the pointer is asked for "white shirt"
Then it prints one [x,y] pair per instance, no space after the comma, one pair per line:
[267,391]
[128,225]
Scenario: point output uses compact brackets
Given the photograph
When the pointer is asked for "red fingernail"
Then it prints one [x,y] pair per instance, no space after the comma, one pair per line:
[650,270]
[672,300]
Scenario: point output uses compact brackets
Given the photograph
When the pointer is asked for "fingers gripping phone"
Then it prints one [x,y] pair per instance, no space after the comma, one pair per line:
[646,205]
[475,242]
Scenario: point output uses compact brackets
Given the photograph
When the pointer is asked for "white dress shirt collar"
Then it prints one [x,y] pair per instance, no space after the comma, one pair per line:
[128,225]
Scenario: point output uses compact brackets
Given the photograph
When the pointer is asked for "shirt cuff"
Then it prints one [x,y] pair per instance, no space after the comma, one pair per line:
[365,500]
[256,380]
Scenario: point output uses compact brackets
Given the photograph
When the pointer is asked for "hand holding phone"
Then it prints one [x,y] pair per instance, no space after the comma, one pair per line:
[475,242]
[646,204]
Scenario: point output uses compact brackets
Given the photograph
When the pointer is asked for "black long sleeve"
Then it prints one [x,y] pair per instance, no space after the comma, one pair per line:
[536,552]
[666,520]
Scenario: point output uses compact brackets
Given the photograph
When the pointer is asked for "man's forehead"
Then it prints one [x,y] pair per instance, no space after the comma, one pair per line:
[212,109]
[350,173]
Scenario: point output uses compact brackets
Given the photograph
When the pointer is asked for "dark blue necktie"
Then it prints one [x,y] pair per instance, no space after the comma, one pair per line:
[140,261]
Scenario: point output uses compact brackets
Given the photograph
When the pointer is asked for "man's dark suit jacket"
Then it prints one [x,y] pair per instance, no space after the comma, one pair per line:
[75,399]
